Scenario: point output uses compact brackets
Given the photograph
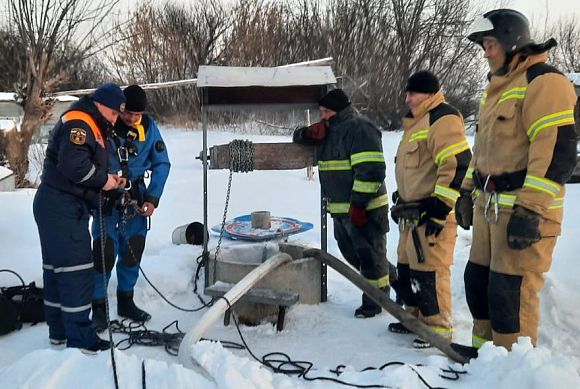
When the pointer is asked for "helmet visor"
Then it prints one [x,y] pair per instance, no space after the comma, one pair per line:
[479,28]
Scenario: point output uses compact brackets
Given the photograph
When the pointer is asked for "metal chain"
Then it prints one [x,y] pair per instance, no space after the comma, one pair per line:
[241,160]
[241,156]
[217,248]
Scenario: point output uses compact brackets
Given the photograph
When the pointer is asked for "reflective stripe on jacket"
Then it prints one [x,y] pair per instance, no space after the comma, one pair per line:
[433,154]
[526,122]
[351,163]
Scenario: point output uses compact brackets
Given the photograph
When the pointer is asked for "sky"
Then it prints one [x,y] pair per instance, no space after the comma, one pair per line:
[533,9]
[538,8]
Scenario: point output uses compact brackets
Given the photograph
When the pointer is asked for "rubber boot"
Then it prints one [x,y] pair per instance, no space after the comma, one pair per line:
[369,308]
[126,308]
[99,315]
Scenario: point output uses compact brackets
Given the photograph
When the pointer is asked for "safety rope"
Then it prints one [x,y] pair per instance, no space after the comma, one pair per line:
[288,366]
[16,274]
[102,244]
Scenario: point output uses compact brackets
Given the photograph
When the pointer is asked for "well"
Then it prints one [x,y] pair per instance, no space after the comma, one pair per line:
[301,276]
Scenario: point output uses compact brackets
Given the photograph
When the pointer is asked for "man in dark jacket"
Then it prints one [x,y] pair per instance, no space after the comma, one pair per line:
[352,173]
[74,173]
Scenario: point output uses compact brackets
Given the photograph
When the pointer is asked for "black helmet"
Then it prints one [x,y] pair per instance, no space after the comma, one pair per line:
[509,27]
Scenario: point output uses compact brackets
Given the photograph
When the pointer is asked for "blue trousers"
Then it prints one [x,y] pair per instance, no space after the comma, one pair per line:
[63,227]
[124,245]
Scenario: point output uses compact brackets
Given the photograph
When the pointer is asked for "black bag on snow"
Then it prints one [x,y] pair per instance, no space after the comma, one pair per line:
[8,316]
[28,300]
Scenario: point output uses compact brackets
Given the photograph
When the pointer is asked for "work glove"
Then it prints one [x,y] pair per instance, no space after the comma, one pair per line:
[395,197]
[299,135]
[523,229]
[433,227]
[394,215]
[317,131]
[433,215]
[312,134]
[357,215]
[464,209]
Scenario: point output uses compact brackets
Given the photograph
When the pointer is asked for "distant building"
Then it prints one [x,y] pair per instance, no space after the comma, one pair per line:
[11,114]
[60,106]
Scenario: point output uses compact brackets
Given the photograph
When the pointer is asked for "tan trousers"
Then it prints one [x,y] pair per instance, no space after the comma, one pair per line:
[503,285]
[430,281]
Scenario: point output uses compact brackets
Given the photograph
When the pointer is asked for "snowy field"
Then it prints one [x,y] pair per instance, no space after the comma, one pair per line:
[327,334]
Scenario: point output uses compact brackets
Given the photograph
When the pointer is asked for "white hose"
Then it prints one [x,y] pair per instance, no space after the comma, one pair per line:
[220,306]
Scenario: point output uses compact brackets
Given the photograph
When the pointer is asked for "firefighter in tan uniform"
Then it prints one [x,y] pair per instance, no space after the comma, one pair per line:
[524,152]
[432,160]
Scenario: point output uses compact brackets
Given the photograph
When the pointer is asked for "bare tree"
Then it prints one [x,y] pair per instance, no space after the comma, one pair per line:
[167,43]
[567,53]
[379,44]
[13,60]
[47,29]
[376,45]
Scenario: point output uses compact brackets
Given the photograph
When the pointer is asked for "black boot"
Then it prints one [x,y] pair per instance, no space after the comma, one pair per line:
[398,328]
[100,345]
[369,308]
[126,307]
[466,351]
[99,315]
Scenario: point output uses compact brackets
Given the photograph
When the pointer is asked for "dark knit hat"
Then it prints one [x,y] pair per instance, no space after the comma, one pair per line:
[423,81]
[136,98]
[335,100]
[110,95]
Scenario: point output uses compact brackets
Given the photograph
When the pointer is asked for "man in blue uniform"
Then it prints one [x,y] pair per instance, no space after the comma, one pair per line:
[135,148]
[74,173]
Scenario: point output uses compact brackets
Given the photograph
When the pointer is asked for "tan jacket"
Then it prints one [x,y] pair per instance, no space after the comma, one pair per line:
[526,122]
[433,155]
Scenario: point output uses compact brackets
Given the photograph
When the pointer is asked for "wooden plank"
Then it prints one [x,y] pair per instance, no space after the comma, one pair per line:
[408,320]
[268,156]
[265,95]
[257,295]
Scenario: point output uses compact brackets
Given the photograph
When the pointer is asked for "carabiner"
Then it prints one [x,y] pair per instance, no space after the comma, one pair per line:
[492,198]
[123,154]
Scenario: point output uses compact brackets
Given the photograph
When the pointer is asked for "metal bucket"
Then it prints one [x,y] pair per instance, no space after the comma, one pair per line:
[191,233]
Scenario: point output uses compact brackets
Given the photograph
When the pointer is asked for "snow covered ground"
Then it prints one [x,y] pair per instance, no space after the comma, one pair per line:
[326,334]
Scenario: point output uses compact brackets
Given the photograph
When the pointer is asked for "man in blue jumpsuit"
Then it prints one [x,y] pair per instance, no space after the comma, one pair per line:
[74,173]
[136,150]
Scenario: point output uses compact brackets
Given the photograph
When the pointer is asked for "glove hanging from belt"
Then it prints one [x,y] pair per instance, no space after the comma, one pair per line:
[430,211]
[434,212]
[523,229]
[464,209]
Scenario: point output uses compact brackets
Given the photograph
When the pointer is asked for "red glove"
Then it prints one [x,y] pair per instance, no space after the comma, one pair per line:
[357,215]
[317,131]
